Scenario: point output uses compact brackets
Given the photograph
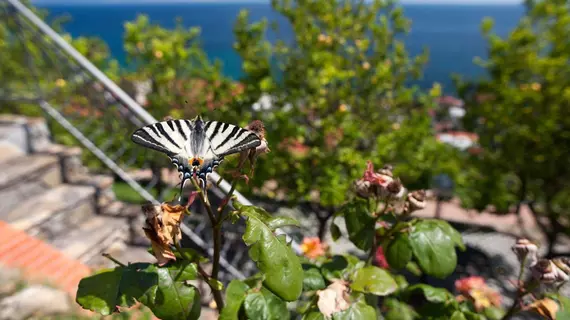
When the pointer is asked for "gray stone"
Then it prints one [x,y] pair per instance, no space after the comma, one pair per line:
[36,300]
[9,151]
[53,211]
[95,236]
[24,178]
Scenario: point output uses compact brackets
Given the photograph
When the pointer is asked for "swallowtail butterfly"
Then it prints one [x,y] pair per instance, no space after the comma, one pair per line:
[195,146]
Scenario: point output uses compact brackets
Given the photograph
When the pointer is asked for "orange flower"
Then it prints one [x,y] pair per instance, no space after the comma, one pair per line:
[312,247]
[475,289]
[464,285]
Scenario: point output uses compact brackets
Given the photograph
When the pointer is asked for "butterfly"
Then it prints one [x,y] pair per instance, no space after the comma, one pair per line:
[195,147]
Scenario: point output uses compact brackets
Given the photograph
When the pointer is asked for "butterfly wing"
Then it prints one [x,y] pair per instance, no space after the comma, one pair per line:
[168,136]
[226,139]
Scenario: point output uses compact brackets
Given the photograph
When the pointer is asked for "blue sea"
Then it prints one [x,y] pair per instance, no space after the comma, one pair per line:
[450,32]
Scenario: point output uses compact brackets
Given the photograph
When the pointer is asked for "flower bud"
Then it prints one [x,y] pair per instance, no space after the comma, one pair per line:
[548,272]
[525,250]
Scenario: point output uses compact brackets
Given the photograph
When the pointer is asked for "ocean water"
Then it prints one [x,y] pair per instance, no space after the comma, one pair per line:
[450,32]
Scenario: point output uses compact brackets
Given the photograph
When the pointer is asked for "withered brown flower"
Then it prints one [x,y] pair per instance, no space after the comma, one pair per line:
[415,200]
[162,227]
[258,128]
[526,251]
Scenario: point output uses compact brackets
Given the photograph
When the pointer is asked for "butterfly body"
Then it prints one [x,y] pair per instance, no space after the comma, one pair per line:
[195,147]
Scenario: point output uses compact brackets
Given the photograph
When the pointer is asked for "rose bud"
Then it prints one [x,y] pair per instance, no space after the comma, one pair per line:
[525,250]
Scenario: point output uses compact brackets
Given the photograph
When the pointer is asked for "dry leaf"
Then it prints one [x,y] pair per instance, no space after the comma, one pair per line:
[545,307]
[162,227]
[333,299]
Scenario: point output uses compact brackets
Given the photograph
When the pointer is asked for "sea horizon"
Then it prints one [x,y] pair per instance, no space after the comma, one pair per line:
[451,33]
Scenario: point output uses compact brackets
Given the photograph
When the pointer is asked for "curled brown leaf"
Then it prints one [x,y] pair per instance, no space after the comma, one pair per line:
[162,227]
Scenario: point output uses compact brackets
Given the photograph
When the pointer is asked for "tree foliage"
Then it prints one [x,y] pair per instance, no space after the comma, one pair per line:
[522,117]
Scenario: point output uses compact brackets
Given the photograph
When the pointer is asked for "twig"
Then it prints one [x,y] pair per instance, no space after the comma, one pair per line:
[227,198]
[108,256]
[520,293]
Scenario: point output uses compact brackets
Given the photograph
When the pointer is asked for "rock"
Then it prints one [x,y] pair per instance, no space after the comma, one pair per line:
[9,281]
[36,300]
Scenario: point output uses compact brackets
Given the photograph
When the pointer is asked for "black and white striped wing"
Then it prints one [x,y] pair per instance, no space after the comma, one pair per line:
[226,139]
[168,136]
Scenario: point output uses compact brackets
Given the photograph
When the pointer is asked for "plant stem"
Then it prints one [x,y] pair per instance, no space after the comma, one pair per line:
[216,263]
[227,198]
[372,251]
[205,201]
[215,292]
[108,256]
[520,294]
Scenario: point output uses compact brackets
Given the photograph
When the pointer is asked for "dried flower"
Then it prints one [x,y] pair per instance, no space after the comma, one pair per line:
[548,272]
[333,299]
[387,170]
[162,227]
[258,128]
[563,264]
[476,289]
[362,188]
[525,250]
[415,200]
[396,189]
[312,247]
[378,182]
[546,307]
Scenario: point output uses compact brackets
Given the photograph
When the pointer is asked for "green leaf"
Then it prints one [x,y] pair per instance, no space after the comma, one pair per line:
[236,293]
[188,254]
[359,224]
[433,249]
[173,298]
[493,313]
[458,315]
[216,284]
[265,305]
[278,222]
[473,316]
[357,311]
[335,268]
[398,310]
[401,281]
[335,231]
[274,258]
[374,280]
[399,252]
[431,294]
[313,279]
[314,314]
[414,269]
[453,234]
[109,288]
